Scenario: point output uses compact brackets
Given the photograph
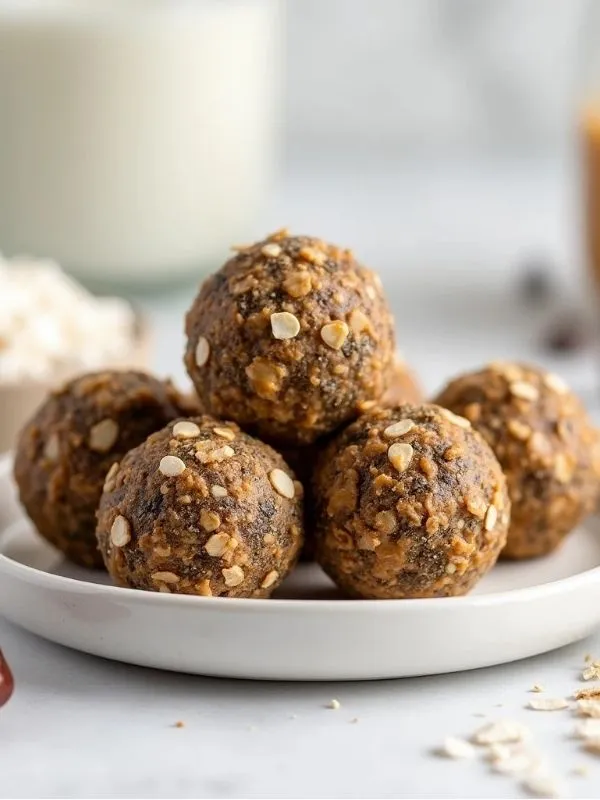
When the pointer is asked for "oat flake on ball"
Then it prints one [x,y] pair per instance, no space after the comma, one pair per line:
[411,502]
[545,442]
[201,508]
[69,448]
[290,338]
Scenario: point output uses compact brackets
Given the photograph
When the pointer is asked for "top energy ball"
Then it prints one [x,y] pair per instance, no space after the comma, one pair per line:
[290,338]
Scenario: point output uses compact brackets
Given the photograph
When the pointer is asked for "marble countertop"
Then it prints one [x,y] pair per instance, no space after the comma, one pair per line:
[448,248]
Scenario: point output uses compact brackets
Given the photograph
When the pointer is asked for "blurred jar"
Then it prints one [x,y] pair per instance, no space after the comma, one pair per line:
[137,137]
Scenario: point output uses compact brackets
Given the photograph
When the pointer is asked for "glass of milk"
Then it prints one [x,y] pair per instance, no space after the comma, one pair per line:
[137,137]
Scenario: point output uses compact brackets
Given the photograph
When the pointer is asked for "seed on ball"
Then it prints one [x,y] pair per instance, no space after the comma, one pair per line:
[284,325]
[185,429]
[171,466]
[271,250]
[120,532]
[398,428]
[400,455]
[282,483]
[524,390]
[103,435]
[202,351]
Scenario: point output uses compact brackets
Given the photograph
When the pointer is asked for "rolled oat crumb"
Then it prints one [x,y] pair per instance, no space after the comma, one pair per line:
[519,430]
[202,351]
[179,724]
[225,433]
[204,589]
[556,383]
[589,693]
[588,708]
[491,517]
[453,747]
[271,250]
[314,256]
[282,483]
[334,334]
[334,704]
[165,577]
[233,575]
[120,532]
[400,455]
[450,568]
[455,419]
[537,688]
[548,704]
[269,579]
[359,322]
[218,491]
[298,284]
[217,544]
[209,520]
[500,732]
[592,672]
[103,435]
[171,466]
[524,390]
[284,325]
[185,429]
[398,428]
[541,786]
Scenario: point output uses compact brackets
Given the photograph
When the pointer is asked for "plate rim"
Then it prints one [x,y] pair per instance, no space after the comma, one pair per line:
[39,577]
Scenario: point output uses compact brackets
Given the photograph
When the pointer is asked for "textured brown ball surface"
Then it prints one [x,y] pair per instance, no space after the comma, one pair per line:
[411,502]
[546,445]
[289,339]
[201,508]
[403,388]
[65,451]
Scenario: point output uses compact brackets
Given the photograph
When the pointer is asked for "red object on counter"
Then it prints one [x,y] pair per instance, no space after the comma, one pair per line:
[6,681]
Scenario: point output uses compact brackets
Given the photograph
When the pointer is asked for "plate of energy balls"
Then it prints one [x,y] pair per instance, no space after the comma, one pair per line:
[305,513]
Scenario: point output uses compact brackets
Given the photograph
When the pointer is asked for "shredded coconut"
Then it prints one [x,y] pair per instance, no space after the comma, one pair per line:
[50,324]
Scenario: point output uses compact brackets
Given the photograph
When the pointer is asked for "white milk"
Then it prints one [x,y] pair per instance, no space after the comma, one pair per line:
[137,137]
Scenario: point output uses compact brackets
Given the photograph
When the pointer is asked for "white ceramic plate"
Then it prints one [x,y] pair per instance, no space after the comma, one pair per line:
[308,632]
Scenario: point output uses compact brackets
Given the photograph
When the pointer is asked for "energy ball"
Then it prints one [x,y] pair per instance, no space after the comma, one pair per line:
[403,387]
[411,502]
[545,442]
[64,453]
[201,508]
[289,339]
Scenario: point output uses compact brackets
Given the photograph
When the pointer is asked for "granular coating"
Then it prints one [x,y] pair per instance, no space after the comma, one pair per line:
[545,442]
[411,502]
[291,338]
[65,451]
[201,508]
